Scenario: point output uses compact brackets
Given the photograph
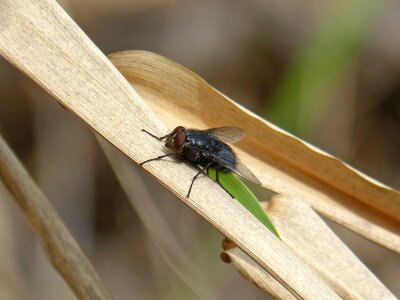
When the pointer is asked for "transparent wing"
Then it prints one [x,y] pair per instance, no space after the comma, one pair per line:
[236,167]
[241,170]
[229,134]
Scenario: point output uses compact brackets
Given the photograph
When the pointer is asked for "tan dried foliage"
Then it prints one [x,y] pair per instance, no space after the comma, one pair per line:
[41,40]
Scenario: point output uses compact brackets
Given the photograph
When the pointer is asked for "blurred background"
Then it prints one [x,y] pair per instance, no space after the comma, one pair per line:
[327,71]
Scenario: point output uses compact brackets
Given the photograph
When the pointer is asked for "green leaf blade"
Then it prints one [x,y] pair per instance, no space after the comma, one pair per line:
[245,197]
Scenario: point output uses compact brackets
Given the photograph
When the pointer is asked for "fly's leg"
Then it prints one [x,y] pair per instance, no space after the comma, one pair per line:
[160,139]
[156,137]
[195,177]
[191,184]
[156,158]
[217,179]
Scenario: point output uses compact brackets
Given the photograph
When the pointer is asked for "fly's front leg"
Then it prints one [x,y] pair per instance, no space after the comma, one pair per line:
[160,139]
[156,137]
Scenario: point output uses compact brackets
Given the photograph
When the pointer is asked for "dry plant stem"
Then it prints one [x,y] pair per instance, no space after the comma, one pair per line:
[61,249]
[41,40]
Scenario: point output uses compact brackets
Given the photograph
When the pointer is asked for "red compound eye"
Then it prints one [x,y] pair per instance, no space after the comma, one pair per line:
[179,139]
[178,129]
[176,139]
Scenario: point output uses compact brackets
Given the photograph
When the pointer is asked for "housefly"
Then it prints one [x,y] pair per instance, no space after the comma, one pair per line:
[206,149]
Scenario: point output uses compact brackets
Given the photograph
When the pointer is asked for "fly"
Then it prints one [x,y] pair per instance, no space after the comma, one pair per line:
[206,149]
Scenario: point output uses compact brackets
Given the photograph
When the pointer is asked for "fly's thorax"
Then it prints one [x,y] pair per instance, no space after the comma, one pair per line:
[200,140]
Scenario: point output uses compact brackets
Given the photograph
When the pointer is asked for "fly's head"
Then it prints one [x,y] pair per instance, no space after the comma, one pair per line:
[176,140]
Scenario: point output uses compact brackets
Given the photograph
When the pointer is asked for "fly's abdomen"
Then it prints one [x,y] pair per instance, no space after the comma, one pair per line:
[226,157]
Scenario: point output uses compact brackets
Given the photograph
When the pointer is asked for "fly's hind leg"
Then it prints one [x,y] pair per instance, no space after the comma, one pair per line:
[217,180]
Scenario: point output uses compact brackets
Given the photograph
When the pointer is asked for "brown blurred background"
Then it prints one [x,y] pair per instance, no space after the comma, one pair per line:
[328,71]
